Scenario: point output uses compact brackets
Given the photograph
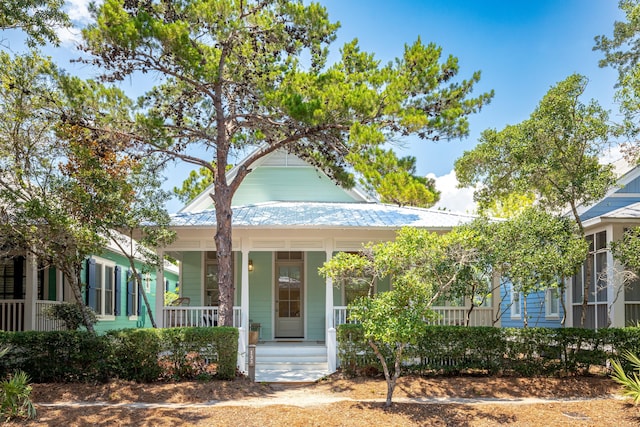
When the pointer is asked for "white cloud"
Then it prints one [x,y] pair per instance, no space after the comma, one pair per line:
[78,11]
[451,197]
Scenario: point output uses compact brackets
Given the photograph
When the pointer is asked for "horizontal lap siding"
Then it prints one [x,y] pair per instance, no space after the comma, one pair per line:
[316,297]
[192,277]
[299,184]
[535,312]
[122,321]
[261,292]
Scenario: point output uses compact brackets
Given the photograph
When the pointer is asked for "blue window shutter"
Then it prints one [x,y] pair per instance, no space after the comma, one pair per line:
[166,286]
[117,291]
[91,283]
[130,284]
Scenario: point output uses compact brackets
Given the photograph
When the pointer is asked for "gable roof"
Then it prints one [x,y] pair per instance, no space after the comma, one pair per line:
[624,192]
[281,176]
[326,215]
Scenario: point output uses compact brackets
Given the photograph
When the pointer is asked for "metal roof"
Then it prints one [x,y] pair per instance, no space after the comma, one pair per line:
[326,215]
[628,212]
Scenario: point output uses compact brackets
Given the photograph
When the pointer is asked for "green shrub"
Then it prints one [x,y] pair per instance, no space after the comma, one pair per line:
[15,397]
[630,383]
[132,354]
[71,314]
[135,354]
[455,350]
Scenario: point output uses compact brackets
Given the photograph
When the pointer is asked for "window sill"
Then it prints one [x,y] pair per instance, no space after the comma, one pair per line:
[108,318]
[552,317]
[133,318]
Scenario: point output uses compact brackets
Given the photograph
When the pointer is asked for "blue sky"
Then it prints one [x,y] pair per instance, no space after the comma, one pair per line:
[521,47]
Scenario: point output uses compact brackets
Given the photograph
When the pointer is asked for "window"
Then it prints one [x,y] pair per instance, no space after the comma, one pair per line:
[596,288]
[12,278]
[103,286]
[552,303]
[516,304]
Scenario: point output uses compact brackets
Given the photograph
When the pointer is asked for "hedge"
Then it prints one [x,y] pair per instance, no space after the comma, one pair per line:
[142,355]
[527,352]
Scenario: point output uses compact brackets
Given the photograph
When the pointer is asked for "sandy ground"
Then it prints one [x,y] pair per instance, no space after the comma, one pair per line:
[337,401]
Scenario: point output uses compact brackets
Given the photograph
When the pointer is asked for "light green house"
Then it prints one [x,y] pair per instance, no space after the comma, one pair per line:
[288,219]
[28,287]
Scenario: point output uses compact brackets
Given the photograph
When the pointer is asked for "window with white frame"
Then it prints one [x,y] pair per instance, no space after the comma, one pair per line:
[516,303]
[103,282]
[552,303]
[593,283]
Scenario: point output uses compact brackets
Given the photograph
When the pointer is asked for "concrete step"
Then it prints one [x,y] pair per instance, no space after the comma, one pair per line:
[291,357]
[289,376]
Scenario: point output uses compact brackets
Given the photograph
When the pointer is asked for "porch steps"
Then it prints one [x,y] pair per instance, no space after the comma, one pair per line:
[290,362]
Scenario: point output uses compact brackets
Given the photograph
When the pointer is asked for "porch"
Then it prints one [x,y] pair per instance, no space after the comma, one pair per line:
[18,316]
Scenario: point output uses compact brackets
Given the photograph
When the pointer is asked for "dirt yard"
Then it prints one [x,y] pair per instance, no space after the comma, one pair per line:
[336,401]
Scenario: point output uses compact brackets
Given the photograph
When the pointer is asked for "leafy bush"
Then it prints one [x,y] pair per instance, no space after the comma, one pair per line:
[630,383]
[454,350]
[15,397]
[71,314]
[130,354]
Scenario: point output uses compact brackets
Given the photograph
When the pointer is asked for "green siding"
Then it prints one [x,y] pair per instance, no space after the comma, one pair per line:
[261,292]
[122,321]
[266,184]
[316,297]
[192,275]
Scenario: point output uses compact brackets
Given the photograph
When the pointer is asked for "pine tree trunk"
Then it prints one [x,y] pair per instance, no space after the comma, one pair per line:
[224,251]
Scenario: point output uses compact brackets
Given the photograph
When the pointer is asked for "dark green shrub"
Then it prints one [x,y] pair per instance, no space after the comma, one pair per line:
[135,354]
[131,354]
[531,351]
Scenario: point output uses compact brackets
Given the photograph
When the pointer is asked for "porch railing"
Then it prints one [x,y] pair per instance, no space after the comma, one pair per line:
[12,315]
[450,316]
[44,322]
[196,316]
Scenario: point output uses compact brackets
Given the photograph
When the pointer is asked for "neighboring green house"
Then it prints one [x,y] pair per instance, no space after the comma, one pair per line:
[288,219]
[26,289]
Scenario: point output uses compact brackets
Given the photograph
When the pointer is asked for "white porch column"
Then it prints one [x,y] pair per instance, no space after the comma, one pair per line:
[31,292]
[159,314]
[615,285]
[243,336]
[59,286]
[332,349]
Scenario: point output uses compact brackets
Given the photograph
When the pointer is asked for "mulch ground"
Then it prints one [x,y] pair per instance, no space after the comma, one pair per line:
[337,401]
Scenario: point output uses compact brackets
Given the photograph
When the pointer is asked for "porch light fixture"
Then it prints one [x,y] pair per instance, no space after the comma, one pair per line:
[250,265]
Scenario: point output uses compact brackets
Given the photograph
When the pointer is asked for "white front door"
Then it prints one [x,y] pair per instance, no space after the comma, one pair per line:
[289,319]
